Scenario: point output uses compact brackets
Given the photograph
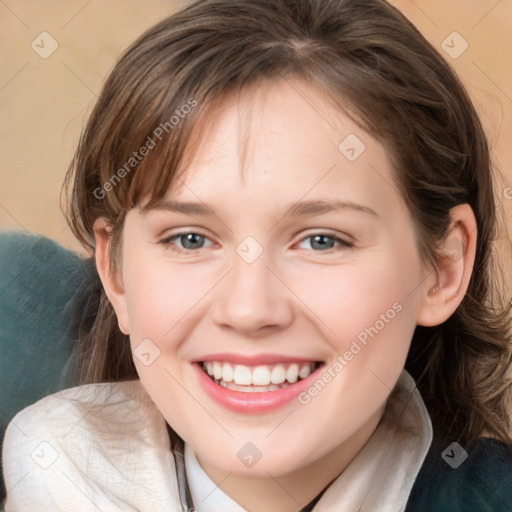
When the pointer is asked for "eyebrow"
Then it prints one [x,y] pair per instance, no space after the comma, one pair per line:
[312,208]
[309,208]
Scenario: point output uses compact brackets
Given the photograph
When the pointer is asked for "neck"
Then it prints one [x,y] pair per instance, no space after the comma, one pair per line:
[292,491]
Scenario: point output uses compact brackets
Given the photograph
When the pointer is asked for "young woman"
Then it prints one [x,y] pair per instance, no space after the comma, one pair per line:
[291,212]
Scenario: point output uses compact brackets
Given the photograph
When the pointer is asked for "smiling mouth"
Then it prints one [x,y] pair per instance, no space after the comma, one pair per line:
[257,379]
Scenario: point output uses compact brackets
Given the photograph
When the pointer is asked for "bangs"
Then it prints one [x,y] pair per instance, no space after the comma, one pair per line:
[177,131]
[171,135]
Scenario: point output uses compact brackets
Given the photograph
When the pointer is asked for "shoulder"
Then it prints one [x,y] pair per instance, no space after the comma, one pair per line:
[475,477]
[84,443]
[58,415]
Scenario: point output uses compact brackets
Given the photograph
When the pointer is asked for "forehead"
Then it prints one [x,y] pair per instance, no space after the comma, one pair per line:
[285,121]
[285,132]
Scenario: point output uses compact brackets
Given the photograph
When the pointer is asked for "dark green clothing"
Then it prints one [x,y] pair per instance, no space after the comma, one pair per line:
[482,483]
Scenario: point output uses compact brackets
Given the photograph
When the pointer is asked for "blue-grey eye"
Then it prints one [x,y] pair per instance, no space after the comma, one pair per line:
[324,242]
[185,241]
[191,240]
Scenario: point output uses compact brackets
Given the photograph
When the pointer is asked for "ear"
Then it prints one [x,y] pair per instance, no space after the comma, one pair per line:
[445,287]
[111,278]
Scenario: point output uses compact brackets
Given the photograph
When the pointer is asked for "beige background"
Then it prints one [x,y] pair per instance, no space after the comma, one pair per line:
[44,102]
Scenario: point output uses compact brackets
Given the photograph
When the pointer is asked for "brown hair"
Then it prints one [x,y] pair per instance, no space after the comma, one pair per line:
[372,62]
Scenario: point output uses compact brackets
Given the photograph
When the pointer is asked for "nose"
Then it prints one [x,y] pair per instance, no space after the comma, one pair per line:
[253,300]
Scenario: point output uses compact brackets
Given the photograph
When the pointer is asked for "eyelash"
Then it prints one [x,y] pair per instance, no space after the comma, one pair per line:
[167,242]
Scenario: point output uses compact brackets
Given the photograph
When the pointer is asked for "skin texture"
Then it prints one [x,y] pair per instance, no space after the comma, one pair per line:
[274,146]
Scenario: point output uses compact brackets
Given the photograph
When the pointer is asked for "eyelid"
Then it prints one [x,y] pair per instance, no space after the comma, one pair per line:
[344,237]
[179,234]
[344,241]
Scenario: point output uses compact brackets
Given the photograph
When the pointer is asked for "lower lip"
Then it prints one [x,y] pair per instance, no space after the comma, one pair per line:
[252,403]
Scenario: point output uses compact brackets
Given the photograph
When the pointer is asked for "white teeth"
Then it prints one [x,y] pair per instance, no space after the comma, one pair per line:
[292,373]
[217,370]
[304,371]
[252,389]
[242,375]
[256,377]
[227,372]
[278,375]
[261,376]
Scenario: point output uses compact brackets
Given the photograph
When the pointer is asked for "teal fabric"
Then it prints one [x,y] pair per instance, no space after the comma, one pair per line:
[482,483]
[38,280]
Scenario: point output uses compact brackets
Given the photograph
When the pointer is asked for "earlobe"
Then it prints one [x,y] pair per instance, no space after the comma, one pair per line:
[111,278]
[445,287]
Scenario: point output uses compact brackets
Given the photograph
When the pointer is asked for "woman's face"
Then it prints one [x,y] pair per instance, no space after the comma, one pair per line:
[284,263]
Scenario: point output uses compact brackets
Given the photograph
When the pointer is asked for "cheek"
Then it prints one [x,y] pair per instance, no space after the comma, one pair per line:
[159,295]
[367,312]
[368,317]
[346,300]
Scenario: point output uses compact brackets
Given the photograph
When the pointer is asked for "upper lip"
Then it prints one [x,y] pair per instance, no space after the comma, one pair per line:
[254,360]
